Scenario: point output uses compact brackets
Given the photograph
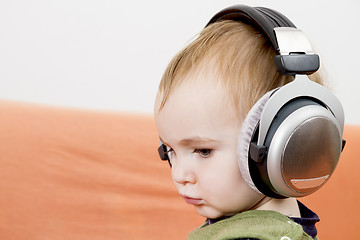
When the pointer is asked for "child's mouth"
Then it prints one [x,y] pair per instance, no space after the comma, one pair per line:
[192,201]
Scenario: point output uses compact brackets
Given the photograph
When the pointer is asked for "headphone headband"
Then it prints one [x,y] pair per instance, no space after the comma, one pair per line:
[298,59]
[263,19]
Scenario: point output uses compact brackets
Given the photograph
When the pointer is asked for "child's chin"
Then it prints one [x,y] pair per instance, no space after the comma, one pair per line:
[208,212]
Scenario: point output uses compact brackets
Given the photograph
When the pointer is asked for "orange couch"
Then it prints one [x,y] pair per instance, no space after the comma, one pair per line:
[92,175]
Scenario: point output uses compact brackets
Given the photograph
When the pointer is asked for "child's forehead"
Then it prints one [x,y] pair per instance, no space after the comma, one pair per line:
[202,83]
[202,96]
[195,110]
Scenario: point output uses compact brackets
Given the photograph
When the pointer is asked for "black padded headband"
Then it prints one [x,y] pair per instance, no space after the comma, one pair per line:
[265,20]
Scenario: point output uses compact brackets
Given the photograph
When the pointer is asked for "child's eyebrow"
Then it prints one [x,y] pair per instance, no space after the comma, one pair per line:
[196,140]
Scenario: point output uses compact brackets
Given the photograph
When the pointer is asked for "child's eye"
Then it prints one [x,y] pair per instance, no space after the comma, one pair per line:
[205,153]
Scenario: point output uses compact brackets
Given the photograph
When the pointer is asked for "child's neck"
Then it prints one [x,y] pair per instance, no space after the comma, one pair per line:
[288,206]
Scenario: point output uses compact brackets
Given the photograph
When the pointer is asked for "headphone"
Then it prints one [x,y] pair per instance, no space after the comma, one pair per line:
[291,140]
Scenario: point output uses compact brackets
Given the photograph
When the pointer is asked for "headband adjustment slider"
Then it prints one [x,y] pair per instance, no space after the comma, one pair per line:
[296,55]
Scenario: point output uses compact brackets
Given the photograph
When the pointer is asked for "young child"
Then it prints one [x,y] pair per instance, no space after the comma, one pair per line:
[203,98]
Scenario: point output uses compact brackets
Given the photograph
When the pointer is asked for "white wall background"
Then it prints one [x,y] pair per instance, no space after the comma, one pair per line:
[110,54]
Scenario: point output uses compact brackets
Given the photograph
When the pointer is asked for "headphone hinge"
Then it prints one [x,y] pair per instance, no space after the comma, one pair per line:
[257,152]
[343,143]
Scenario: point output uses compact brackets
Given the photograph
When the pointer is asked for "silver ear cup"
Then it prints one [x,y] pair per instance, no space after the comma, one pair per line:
[291,140]
[304,151]
[297,145]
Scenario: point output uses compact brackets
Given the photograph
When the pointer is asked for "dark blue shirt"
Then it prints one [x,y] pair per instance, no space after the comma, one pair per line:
[308,220]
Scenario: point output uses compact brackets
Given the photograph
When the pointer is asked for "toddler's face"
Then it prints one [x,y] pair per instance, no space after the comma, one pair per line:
[200,128]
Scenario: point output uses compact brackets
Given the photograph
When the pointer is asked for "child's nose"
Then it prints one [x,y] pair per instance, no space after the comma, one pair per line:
[183,171]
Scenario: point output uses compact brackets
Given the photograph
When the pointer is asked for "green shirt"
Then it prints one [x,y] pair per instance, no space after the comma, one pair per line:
[258,224]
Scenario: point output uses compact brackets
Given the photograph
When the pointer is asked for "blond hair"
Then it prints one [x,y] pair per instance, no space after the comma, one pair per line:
[244,62]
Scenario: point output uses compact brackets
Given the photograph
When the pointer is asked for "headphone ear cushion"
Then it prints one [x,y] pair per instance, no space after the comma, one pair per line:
[247,129]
